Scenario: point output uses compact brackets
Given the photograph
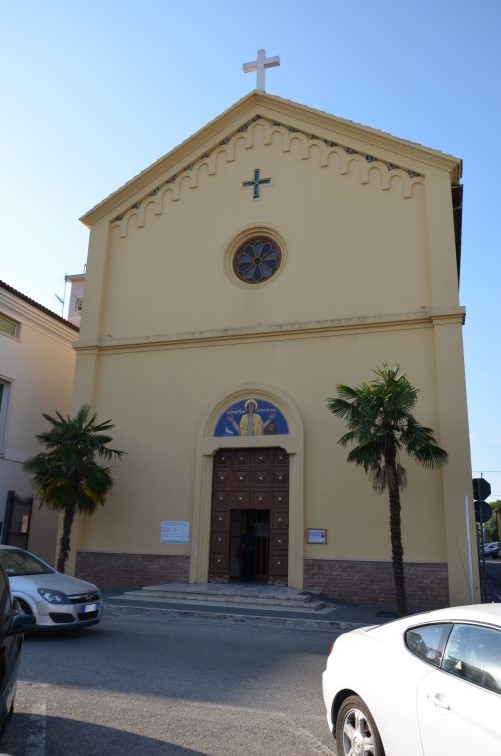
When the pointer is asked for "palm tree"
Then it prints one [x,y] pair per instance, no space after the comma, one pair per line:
[381,424]
[66,476]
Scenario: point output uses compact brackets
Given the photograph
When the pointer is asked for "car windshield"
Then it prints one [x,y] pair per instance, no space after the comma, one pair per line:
[21,563]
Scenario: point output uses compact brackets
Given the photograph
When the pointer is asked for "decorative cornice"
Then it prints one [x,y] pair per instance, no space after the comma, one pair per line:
[358,134]
[327,152]
[276,110]
[423,318]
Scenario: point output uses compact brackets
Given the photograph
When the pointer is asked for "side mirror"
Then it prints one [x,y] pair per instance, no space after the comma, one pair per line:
[22,623]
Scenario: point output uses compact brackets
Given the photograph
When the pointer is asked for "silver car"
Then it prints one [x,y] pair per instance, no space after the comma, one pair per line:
[491,549]
[55,600]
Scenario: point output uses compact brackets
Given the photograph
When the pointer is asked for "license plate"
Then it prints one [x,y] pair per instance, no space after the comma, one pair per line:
[90,608]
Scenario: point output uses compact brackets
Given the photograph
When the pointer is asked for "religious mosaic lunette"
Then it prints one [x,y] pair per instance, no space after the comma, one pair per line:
[251,417]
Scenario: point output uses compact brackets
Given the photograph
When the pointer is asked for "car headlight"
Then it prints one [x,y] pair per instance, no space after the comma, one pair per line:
[54,597]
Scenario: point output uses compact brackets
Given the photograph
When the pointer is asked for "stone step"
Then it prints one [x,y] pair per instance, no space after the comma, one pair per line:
[230,595]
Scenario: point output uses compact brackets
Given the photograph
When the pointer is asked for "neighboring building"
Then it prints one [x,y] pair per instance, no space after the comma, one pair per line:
[37,364]
[75,303]
[229,288]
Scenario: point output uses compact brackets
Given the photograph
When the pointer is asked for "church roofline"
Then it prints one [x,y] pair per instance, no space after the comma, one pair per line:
[381,139]
[268,106]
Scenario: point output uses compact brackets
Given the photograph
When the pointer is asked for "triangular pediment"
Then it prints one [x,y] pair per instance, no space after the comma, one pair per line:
[317,133]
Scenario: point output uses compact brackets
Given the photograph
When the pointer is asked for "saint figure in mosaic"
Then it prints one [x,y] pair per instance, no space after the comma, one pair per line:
[251,423]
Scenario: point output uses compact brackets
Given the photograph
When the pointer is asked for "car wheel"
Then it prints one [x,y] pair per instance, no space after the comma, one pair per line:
[356,731]
[24,609]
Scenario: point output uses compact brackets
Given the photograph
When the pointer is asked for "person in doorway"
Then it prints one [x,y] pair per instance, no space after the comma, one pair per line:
[248,553]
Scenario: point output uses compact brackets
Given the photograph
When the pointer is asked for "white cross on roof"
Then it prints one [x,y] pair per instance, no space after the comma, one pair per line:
[260,65]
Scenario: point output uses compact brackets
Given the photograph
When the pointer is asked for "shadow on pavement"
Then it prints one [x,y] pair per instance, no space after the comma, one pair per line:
[28,733]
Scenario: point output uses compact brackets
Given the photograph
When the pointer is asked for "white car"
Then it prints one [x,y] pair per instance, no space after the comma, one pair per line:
[55,600]
[425,685]
[491,549]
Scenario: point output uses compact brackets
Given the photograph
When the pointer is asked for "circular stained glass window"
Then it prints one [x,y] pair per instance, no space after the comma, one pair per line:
[257,260]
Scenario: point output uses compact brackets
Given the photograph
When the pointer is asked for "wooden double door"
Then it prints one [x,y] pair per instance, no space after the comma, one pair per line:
[250,488]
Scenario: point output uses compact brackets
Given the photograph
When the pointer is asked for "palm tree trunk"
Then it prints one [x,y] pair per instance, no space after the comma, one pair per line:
[64,543]
[397,551]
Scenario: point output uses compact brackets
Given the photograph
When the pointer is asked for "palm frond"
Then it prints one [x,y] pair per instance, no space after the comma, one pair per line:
[381,425]
[419,442]
[66,474]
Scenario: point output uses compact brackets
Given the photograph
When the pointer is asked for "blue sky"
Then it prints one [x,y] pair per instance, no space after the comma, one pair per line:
[94,92]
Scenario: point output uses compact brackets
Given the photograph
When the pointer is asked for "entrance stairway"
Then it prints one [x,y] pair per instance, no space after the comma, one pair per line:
[242,602]
[244,595]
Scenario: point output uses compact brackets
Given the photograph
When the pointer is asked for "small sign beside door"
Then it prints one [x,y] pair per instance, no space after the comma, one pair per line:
[174,531]
[316,535]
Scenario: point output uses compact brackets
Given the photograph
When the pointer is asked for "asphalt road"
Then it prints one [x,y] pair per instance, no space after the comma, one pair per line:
[493,579]
[171,686]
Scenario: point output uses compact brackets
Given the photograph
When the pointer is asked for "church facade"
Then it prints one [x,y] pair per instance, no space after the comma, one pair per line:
[230,287]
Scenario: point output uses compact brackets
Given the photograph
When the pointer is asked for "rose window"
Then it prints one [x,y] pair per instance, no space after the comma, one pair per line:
[257,260]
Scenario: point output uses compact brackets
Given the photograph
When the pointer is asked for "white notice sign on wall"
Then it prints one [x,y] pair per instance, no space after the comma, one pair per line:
[316,535]
[174,531]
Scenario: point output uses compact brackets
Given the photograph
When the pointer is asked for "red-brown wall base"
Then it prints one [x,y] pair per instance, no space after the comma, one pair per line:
[427,584]
[340,580]
[131,570]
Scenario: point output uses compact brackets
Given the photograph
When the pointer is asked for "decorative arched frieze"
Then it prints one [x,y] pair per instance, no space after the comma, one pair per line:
[322,152]
[329,155]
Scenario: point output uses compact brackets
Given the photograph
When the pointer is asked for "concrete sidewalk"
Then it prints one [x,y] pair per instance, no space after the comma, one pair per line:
[259,604]
[262,604]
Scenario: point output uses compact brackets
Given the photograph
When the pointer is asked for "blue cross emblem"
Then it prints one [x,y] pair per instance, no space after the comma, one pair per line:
[256,183]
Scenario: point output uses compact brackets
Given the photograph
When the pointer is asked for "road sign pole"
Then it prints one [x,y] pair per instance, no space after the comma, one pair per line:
[468,549]
[483,512]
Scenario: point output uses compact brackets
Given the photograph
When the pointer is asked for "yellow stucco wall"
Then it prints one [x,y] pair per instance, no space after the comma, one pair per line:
[368,276]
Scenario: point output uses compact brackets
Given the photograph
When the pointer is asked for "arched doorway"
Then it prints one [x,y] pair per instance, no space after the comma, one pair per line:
[250,516]
[285,434]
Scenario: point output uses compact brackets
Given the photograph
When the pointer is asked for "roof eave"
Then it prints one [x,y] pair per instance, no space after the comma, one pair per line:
[266,105]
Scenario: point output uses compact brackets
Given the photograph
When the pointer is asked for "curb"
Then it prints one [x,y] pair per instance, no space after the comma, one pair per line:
[190,614]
